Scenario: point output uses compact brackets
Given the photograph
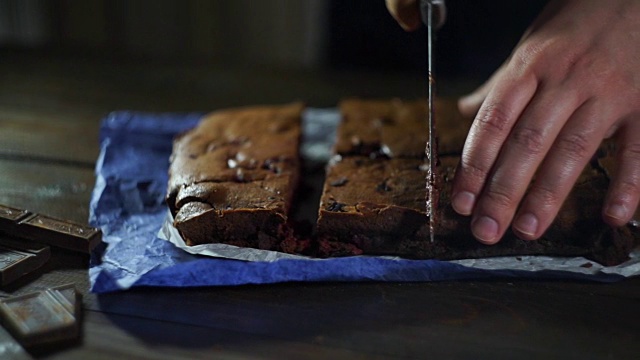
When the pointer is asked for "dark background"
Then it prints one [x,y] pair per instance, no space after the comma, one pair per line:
[477,37]
[353,34]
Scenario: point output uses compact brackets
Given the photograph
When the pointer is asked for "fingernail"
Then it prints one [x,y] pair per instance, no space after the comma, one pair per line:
[617,211]
[485,229]
[526,224]
[463,202]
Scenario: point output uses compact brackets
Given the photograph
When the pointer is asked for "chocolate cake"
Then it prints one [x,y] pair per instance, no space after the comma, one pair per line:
[233,177]
[376,203]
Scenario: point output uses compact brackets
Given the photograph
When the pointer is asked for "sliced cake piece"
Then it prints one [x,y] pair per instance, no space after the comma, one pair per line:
[375,204]
[376,207]
[233,177]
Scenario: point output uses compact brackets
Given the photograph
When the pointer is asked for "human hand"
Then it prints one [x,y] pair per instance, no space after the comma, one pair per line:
[573,80]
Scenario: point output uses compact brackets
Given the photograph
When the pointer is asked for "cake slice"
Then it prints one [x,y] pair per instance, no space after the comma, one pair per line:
[375,188]
[376,207]
[232,178]
[374,204]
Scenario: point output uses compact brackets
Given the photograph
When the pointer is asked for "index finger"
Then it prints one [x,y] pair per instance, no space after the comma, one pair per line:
[499,112]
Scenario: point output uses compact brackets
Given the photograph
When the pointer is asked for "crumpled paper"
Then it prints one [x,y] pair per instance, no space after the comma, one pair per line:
[128,205]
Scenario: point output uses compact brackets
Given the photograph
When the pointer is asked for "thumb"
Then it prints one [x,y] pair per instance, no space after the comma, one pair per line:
[470,104]
[406,13]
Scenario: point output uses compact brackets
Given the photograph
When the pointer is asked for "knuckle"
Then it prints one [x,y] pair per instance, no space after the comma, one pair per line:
[628,186]
[501,196]
[493,117]
[531,55]
[548,58]
[528,53]
[530,139]
[630,153]
[472,169]
[596,68]
[544,196]
[569,60]
[576,146]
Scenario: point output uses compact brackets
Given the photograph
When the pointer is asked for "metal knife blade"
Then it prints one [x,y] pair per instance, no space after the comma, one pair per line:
[433,16]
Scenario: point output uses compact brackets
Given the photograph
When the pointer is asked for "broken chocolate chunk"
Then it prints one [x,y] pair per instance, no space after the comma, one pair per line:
[336,207]
[339,182]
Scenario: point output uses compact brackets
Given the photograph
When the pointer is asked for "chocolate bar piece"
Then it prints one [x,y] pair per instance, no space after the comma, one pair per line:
[10,217]
[42,317]
[18,258]
[69,297]
[232,178]
[48,230]
[59,233]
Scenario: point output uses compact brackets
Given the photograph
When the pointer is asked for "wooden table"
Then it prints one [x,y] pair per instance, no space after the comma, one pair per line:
[50,108]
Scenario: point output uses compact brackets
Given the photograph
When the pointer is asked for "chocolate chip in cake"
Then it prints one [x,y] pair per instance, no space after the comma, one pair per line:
[212,147]
[386,151]
[339,182]
[241,140]
[383,186]
[240,176]
[336,207]
[280,126]
[382,121]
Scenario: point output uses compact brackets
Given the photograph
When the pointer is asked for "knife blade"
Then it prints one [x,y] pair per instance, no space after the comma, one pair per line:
[433,14]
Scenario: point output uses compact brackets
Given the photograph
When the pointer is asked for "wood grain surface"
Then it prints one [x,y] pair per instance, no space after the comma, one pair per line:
[50,110]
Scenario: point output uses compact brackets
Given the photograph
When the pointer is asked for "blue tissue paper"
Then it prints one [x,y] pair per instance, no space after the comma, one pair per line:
[128,205]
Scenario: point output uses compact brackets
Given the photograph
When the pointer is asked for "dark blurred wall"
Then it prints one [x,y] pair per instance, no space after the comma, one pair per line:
[25,22]
[249,32]
[343,34]
[477,37]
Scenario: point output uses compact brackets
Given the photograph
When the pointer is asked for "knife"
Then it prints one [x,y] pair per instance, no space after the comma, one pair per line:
[433,15]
